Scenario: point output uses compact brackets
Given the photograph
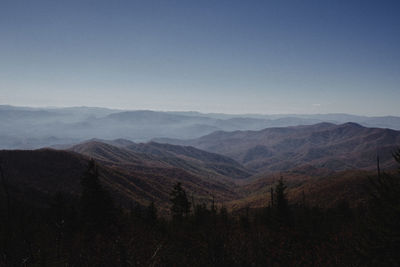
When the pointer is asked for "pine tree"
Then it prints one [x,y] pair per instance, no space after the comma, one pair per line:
[383,239]
[151,213]
[281,202]
[180,204]
[96,205]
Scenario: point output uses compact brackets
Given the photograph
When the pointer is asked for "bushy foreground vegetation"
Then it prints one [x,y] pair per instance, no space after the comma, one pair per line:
[92,231]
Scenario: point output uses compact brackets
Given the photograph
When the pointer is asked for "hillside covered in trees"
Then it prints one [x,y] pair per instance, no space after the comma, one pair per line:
[86,226]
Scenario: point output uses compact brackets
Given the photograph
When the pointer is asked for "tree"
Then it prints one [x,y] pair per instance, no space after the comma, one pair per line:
[151,213]
[97,208]
[383,239]
[281,202]
[5,188]
[180,204]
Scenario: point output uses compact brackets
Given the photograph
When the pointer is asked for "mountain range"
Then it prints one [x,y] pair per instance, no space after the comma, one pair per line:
[327,162]
[31,128]
[324,145]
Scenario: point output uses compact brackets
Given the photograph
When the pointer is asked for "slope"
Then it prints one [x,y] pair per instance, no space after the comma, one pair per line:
[46,171]
[335,147]
[132,155]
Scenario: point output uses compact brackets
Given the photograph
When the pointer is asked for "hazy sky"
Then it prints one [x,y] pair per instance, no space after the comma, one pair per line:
[211,56]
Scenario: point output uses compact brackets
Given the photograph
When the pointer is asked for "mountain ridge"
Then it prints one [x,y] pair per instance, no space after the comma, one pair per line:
[31,128]
[324,145]
[163,155]
[48,171]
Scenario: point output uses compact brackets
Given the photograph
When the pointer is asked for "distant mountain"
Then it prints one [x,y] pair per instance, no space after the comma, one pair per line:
[30,128]
[323,145]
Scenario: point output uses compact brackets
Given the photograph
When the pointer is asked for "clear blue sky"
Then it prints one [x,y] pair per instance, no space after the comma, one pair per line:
[210,56]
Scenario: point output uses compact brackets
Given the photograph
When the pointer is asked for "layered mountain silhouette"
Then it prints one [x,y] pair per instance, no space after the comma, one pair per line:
[327,162]
[30,128]
[323,145]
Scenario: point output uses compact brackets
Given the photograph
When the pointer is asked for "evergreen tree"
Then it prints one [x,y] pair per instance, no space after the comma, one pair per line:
[151,213]
[383,239]
[180,204]
[281,202]
[96,205]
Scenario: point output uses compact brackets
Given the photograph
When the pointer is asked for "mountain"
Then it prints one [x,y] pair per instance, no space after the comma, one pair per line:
[326,163]
[314,188]
[324,145]
[31,128]
[34,173]
[131,155]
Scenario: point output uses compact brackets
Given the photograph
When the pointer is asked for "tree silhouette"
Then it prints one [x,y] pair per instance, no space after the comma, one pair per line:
[151,213]
[96,204]
[5,188]
[383,222]
[180,204]
[281,202]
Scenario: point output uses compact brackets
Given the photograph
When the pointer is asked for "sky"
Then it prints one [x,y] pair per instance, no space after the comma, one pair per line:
[231,56]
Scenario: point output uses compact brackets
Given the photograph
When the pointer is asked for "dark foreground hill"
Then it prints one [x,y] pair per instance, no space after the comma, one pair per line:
[141,178]
[336,147]
[83,233]
[45,172]
[309,186]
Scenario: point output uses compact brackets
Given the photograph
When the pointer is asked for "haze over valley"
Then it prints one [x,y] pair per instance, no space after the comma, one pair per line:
[28,128]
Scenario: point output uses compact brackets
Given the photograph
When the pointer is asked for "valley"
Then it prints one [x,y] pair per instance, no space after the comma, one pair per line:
[327,163]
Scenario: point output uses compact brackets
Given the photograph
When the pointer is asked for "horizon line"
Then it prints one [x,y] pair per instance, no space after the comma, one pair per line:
[193,111]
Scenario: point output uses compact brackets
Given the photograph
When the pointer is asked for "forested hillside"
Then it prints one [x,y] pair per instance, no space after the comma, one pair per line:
[89,228]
